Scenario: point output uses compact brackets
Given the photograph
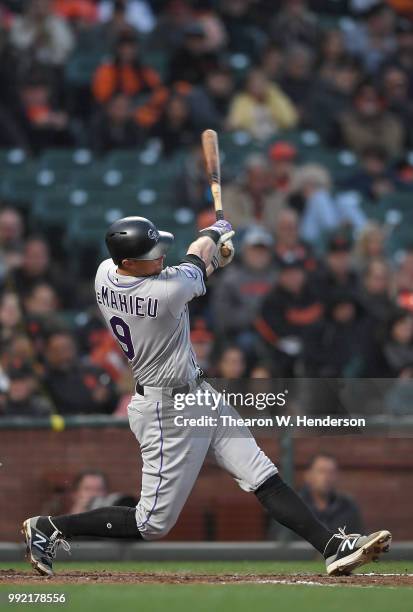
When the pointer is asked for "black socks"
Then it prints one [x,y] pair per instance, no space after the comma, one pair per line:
[286,507]
[110,522]
[282,503]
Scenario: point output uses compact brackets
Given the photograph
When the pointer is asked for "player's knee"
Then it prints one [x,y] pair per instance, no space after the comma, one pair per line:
[156,528]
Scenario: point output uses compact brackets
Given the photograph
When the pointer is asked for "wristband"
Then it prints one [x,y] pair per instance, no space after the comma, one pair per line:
[215,236]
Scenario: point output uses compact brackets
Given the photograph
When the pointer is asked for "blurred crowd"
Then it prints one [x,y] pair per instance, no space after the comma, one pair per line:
[313,291]
[168,68]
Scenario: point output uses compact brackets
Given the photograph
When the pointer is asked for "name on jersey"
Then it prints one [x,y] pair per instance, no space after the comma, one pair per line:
[128,304]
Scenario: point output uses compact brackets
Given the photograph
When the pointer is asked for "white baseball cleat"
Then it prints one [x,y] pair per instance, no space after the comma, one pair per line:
[356,550]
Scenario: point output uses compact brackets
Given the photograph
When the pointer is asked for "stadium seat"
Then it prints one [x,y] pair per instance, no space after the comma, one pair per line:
[57,159]
[401,201]
[401,237]
[17,176]
[13,158]
[18,185]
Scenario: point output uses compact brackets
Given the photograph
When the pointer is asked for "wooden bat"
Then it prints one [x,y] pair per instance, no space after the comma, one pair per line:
[213,167]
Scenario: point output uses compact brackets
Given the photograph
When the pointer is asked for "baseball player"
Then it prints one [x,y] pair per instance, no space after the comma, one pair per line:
[146,308]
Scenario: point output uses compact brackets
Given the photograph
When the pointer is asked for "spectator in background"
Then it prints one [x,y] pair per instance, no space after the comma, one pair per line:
[261,108]
[392,355]
[311,197]
[136,13]
[40,35]
[90,490]
[272,62]
[23,397]
[337,272]
[295,24]
[239,291]
[127,74]
[369,245]
[81,14]
[372,39]
[374,179]
[297,80]
[44,122]
[331,507]
[289,316]
[209,18]
[171,24]
[243,37]
[75,387]
[343,340]
[210,102]
[376,291]
[124,72]
[231,363]
[261,370]
[283,157]
[192,61]
[37,268]
[404,279]
[175,129]
[11,240]
[41,300]
[368,124]
[87,486]
[403,55]
[331,96]
[395,89]
[19,349]
[114,127]
[332,52]
[251,200]
[202,340]
[10,316]
[287,239]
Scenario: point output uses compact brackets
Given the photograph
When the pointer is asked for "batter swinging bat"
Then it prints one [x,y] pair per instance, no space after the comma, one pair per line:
[213,167]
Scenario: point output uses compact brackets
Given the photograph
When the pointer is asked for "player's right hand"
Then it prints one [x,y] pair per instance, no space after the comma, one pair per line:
[219,260]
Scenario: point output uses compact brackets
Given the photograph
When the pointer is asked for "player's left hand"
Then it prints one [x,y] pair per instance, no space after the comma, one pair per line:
[217,229]
[218,260]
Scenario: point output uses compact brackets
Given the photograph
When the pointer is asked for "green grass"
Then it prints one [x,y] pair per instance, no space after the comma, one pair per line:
[215,567]
[216,597]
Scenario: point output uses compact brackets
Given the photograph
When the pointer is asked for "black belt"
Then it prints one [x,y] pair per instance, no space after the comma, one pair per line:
[175,390]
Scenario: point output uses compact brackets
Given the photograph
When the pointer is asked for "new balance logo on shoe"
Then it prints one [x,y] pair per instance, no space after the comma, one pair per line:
[350,544]
[38,540]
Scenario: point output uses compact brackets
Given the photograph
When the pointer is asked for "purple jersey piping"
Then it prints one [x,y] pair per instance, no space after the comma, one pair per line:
[151,511]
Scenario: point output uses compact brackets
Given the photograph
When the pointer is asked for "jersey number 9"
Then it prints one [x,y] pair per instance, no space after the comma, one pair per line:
[122,333]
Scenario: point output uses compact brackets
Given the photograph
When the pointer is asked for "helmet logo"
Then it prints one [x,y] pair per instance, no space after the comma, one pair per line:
[153,234]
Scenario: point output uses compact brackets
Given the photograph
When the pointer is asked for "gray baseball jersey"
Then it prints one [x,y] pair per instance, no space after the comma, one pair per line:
[149,317]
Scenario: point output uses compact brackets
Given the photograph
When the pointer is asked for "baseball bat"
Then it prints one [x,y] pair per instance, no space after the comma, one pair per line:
[213,168]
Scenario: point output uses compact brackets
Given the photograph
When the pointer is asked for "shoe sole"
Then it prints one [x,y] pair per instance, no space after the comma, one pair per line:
[367,553]
[39,567]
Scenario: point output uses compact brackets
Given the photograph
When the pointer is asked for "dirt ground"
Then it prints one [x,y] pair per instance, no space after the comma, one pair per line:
[10,576]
